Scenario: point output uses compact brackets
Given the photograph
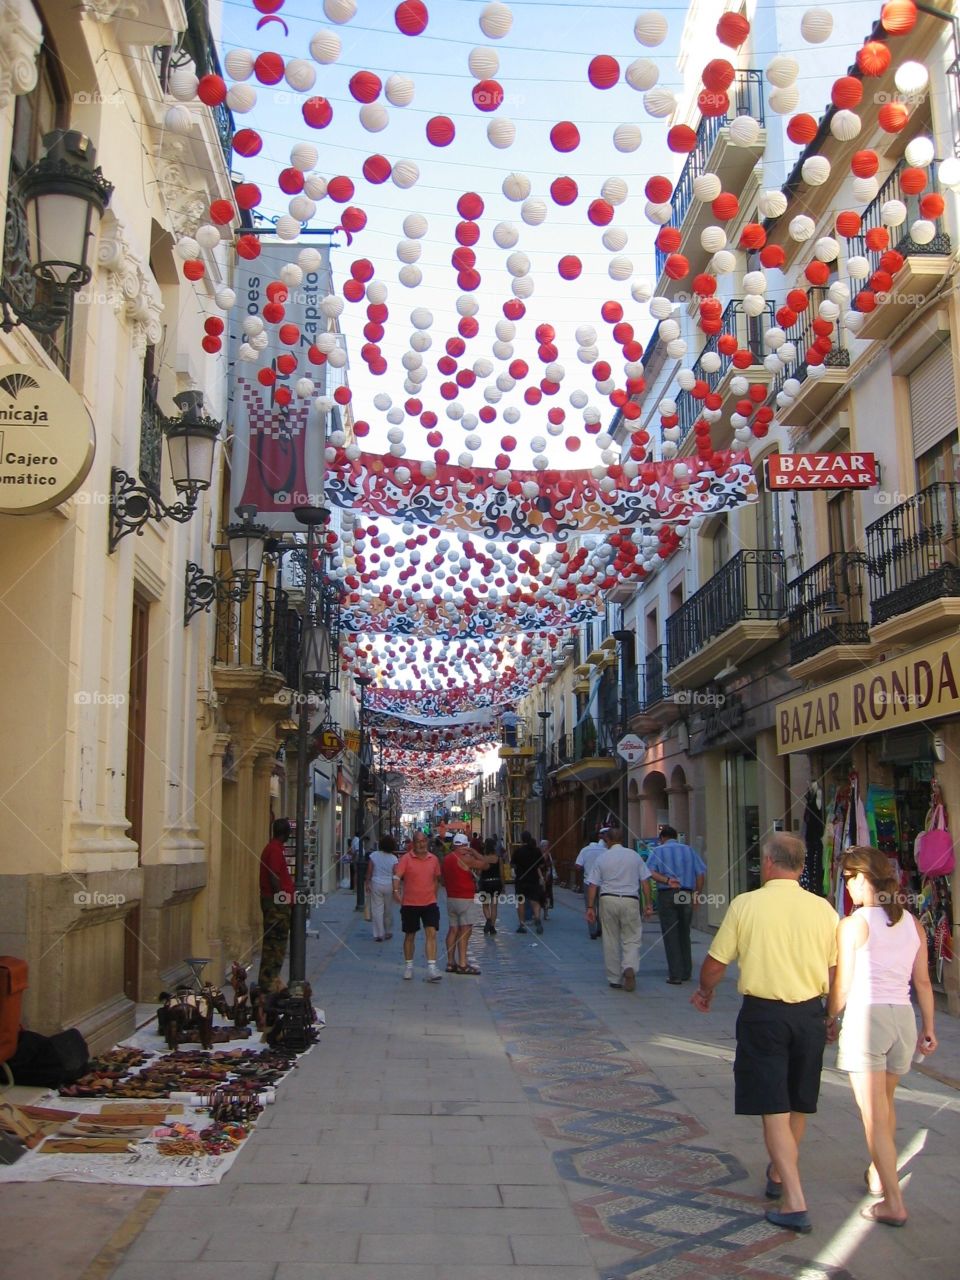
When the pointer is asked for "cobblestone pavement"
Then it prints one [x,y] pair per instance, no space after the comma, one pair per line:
[529,1124]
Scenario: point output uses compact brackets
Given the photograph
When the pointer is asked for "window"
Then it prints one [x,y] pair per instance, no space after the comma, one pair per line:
[840,523]
[720,543]
[941,464]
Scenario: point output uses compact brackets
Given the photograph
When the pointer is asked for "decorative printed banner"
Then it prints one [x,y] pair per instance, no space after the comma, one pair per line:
[447,706]
[278,448]
[567,503]
[420,618]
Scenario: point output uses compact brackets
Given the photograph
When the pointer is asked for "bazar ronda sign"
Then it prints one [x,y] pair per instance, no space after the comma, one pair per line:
[46,439]
[921,685]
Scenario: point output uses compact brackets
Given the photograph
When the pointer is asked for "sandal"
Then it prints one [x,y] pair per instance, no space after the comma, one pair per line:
[470,969]
[871,1215]
[452,968]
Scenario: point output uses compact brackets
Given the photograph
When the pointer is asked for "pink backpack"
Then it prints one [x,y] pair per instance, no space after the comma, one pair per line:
[934,848]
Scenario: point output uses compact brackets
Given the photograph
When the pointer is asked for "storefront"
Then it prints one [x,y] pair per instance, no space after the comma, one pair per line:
[884,746]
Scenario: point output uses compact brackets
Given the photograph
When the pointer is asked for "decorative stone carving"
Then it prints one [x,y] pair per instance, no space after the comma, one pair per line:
[186,206]
[139,22]
[21,36]
[131,289]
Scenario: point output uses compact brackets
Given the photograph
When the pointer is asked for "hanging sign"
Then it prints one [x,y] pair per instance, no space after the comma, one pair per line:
[47,440]
[329,743]
[632,748]
[352,739]
[821,471]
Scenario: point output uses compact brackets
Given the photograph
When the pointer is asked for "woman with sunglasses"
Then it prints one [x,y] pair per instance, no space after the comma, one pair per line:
[882,949]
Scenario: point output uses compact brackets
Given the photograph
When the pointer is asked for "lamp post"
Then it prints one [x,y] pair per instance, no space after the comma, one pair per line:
[311,662]
[544,717]
[362,683]
[381,787]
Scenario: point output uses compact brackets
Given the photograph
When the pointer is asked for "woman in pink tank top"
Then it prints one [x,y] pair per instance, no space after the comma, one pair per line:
[882,949]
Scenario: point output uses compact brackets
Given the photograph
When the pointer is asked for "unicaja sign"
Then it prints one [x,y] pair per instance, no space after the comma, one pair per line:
[46,440]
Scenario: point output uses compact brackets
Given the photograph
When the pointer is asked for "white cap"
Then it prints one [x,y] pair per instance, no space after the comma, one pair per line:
[460,838]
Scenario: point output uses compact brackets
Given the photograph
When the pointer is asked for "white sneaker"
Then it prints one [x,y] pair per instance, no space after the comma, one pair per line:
[433,974]
[407,972]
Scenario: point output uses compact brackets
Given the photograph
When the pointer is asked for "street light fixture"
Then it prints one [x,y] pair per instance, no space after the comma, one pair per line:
[362,683]
[246,541]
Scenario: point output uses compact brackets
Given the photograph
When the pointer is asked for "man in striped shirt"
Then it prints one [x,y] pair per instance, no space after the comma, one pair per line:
[678,873]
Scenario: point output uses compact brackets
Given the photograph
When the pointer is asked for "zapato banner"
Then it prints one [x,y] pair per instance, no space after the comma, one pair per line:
[278,449]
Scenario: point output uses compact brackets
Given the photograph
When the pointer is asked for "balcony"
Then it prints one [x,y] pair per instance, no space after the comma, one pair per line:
[197,46]
[914,565]
[714,153]
[656,706]
[736,613]
[925,264]
[151,441]
[257,654]
[22,285]
[589,752]
[749,332]
[815,392]
[826,613]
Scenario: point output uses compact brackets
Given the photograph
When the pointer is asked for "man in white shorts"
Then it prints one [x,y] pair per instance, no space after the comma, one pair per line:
[457,873]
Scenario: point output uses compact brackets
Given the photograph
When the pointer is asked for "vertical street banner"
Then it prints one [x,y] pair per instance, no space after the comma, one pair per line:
[277,461]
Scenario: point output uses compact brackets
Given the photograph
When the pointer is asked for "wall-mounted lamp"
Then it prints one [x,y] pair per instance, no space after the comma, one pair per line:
[245,542]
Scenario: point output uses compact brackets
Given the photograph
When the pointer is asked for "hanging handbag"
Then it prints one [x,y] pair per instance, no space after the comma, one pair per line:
[934,847]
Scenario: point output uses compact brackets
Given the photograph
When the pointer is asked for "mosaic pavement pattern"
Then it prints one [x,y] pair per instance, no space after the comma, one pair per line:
[661,1191]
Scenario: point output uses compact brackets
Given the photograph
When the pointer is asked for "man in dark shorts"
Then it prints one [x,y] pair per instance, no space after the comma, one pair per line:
[785,941]
[528,870]
[418,875]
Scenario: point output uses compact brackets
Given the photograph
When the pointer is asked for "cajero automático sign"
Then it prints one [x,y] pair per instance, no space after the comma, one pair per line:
[46,439]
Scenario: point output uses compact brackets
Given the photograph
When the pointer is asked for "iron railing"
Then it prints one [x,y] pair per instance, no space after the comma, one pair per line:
[262,630]
[21,286]
[746,99]
[151,441]
[750,585]
[749,332]
[825,605]
[655,687]
[872,217]
[593,737]
[803,337]
[913,552]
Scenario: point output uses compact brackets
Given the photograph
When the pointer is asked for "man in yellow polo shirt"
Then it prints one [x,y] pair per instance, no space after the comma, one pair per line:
[785,940]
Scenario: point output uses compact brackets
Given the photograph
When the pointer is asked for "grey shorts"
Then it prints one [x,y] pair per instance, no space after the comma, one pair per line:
[460,911]
[878,1037]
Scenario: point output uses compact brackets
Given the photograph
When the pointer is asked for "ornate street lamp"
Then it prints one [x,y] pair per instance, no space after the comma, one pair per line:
[63,197]
[191,438]
[246,542]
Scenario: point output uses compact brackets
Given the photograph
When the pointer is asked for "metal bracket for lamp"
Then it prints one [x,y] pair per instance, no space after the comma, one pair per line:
[132,505]
[201,590]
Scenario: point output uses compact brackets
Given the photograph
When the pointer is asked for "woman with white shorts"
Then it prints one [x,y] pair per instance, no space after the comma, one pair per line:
[882,949]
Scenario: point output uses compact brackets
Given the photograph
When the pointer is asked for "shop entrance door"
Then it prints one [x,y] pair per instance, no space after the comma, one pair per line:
[743,823]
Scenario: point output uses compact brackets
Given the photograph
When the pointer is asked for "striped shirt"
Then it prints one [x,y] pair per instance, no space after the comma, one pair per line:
[677,861]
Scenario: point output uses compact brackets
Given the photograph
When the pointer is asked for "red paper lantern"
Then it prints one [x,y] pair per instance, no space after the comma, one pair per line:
[440,131]
[565,136]
[365,86]
[732,30]
[818,273]
[604,71]
[193,269]
[211,90]
[612,313]
[266,377]
[786,317]
[361,269]
[874,58]
[248,247]
[211,344]
[725,207]
[601,371]
[247,142]
[668,239]
[353,219]
[913,181]
[213,325]
[877,239]
[713,103]
[891,261]
[533,395]
[411,17]
[376,169]
[317,113]
[289,334]
[802,128]
[467,233]
[273,312]
[726,345]
[343,395]
[518,369]
[267,6]
[847,92]
[290,181]
[865,301]
[718,75]
[600,212]
[470,206]
[268,68]
[772,256]
[623,332]
[514,309]
[545,333]
[247,195]
[353,290]
[880,282]
[468,280]
[932,206]
[564,191]
[455,347]
[711,325]
[753,236]
[569,267]
[711,308]
[742,359]
[897,17]
[221,212]
[864,164]
[676,266]
[822,328]
[463,259]
[658,189]
[681,139]
[798,300]
[848,223]
[469,326]
[340,189]
[704,285]
[892,117]
[487,95]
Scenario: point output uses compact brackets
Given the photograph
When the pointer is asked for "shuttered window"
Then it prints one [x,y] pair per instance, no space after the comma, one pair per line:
[933,401]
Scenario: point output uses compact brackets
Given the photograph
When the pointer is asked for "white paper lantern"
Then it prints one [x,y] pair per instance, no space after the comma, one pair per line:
[501,133]
[816,371]
[405,174]
[586,335]
[911,78]
[588,355]
[854,321]
[518,264]
[919,152]
[669,329]
[238,64]
[188,248]
[410,276]
[302,208]
[788,352]
[724,262]
[922,231]
[828,310]
[325,47]
[246,352]
[523,287]
[252,325]
[615,190]
[774,338]
[706,187]
[260,341]
[303,156]
[865,190]
[816,25]
[782,71]
[801,228]
[207,236]
[516,187]
[658,214]
[713,239]
[399,90]
[183,84]
[511,415]
[315,186]
[178,119]
[308,260]
[845,125]
[744,131]
[659,103]
[614,239]
[533,212]
[241,98]
[287,228]
[376,292]
[484,63]
[826,249]
[839,293]
[893,213]
[754,304]
[772,203]
[414,226]
[642,74]
[409,250]
[661,308]
[374,117]
[754,282]
[299,75]
[421,341]
[641,290]
[578,399]
[495,21]
[339,10]
[949,173]
[815,170]
[620,269]
[650,29]
[505,235]
[304,387]
[225,299]
[710,362]
[627,137]
[784,101]
[791,388]
[421,318]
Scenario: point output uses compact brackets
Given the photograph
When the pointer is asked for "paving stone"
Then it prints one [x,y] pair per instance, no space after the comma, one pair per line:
[294,1245]
[430,1247]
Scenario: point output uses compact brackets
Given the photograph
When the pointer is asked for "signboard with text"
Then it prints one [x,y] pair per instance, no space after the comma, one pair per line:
[821,471]
[46,439]
[632,748]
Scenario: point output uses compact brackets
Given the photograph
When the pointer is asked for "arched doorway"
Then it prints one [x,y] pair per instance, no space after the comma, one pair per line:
[655,809]
[679,796]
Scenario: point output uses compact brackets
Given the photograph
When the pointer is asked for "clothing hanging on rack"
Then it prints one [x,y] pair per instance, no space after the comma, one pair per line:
[813,830]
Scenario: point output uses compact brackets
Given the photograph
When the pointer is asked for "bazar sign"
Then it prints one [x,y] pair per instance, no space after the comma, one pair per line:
[921,685]
[46,439]
[821,471]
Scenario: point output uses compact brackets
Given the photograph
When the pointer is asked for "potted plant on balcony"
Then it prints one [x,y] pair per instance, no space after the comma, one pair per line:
[588,738]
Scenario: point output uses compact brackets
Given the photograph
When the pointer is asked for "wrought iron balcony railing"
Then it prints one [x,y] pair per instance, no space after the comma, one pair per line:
[24,289]
[749,332]
[262,630]
[750,585]
[151,441]
[655,687]
[913,552]
[592,737]
[873,217]
[825,605]
[803,337]
[746,99]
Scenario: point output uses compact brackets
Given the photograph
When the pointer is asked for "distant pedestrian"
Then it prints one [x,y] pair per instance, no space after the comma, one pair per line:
[380,868]
[528,881]
[418,874]
[491,884]
[882,949]
[459,868]
[678,871]
[549,875]
[614,886]
[584,863]
[785,942]
[276,904]
[476,844]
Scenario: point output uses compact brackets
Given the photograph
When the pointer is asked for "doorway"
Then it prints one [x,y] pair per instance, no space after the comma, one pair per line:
[743,823]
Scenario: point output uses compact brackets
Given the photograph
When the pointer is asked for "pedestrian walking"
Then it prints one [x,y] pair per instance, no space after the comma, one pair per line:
[549,876]
[785,941]
[491,884]
[415,882]
[617,880]
[678,871]
[276,904]
[584,862]
[380,868]
[881,950]
[528,881]
[460,867]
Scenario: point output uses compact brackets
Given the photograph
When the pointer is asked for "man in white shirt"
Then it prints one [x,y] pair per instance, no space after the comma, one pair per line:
[616,879]
[585,860]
